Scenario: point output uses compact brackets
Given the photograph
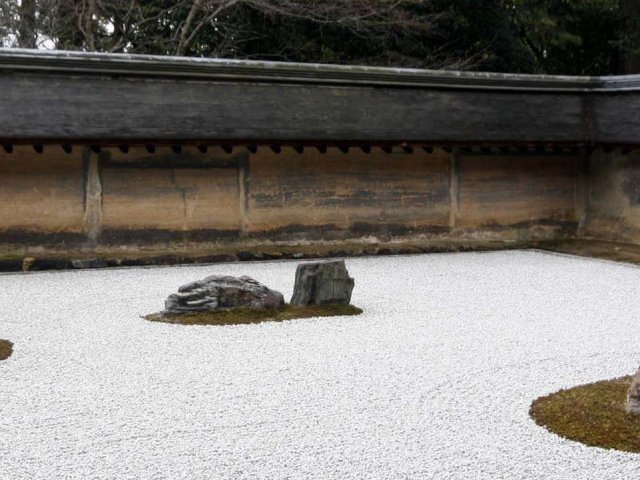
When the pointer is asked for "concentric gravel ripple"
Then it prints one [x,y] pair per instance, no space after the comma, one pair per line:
[434,380]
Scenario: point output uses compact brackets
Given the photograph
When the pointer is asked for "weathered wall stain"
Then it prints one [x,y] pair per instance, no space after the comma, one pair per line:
[41,193]
[614,197]
[507,190]
[162,197]
[144,196]
[346,189]
[631,182]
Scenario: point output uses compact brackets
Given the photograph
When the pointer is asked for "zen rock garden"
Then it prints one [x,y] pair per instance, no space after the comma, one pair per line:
[89,368]
[321,289]
[603,414]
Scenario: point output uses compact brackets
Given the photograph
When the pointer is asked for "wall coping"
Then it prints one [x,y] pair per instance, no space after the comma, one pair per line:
[213,69]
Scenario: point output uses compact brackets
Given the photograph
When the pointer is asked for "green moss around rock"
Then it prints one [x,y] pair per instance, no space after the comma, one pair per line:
[6,349]
[243,316]
[592,414]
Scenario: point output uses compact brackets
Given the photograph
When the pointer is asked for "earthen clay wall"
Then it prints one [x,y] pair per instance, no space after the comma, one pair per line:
[146,196]
[41,196]
[614,197]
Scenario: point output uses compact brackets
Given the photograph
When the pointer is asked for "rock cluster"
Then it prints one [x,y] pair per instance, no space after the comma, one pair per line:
[218,292]
[322,283]
[633,395]
[319,283]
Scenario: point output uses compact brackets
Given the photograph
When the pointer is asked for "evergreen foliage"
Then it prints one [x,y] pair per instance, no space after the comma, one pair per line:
[574,37]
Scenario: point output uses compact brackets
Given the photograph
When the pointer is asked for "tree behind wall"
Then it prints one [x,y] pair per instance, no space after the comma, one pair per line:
[578,37]
[378,31]
[630,58]
[584,37]
[27,31]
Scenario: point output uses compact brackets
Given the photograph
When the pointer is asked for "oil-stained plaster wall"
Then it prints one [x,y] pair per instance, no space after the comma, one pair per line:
[146,196]
[614,197]
[508,194]
[168,196]
[357,193]
[41,196]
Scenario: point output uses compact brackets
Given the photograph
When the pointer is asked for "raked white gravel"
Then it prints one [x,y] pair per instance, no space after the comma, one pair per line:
[434,380]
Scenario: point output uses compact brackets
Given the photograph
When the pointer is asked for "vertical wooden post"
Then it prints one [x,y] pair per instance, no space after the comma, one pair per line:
[454,187]
[582,190]
[243,193]
[92,195]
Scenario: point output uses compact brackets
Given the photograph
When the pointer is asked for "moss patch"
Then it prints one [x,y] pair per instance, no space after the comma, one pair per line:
[617,252]
[592,414]
[243,316]
[6,349]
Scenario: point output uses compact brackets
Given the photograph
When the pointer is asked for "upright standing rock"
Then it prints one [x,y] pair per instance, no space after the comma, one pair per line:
[633,395]
[322,283]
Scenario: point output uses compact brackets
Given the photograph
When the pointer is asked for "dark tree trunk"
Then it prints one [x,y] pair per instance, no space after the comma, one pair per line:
[27,34]
[631,55]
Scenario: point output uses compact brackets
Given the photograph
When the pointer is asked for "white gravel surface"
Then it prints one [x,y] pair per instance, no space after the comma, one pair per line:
[433,381]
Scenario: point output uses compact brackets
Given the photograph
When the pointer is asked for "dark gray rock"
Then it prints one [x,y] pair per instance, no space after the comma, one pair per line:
[322,283]
[219,292]
[633,395]
[89,263]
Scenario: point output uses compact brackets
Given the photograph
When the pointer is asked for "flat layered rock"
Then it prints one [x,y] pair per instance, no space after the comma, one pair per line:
[219,292]
[322,283]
